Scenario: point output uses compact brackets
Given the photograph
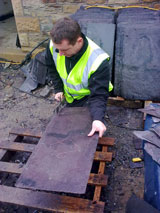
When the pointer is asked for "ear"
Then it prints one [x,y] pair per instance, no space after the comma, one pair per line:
[80,39]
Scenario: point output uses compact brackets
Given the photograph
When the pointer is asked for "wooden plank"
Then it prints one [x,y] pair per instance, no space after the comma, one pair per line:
[94,179]
[97,192]
[23,147]
[14,146]
[103,156]
[98,179]
[26,132]
[118,101]
[106,141]
[48,201]
[65,143]
[10,167]
[146,103]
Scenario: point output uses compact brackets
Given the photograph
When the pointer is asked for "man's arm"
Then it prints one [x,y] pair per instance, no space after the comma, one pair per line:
[52,72]
[98,85]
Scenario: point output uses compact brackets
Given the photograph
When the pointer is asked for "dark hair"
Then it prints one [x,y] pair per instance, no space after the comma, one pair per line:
[65,28]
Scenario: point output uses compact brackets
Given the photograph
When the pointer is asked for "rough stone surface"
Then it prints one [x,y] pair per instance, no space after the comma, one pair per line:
[70,8]
[23,39]
[95,1]
[49,1]
[27,24]
[30,3]
[17,7]
[55,17]
[157,6]
[149,0]
[49,11]
[35,38]
[46,91]
[72,1]
[137,33]
[123,1]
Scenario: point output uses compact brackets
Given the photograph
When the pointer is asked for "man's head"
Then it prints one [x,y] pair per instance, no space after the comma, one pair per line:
[66,36]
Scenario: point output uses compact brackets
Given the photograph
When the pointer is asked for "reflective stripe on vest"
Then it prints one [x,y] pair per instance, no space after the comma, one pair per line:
[76,83]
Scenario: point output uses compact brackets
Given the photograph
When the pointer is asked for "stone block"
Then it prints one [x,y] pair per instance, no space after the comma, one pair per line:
[96,1]
[29,3]
[157,6]
[123,2]
[12,54]
[149,0]
[35,38]
[27,24]
[71,8]
[27,12]
[53,8]
[23,39]
[71,1]
[49,1]
[17,7]
[55,17]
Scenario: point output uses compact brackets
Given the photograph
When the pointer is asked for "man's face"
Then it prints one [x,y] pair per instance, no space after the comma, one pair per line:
[67,49]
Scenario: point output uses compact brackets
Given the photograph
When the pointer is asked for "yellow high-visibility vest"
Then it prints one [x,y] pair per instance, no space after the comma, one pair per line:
[76,82]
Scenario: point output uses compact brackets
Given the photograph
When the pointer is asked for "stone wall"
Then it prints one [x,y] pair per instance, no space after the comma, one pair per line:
[34,19]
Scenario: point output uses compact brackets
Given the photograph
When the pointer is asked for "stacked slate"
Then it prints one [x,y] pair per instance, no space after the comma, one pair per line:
[137,54]
[98,25]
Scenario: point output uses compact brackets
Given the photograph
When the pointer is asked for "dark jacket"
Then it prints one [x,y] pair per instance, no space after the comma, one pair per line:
[98,83]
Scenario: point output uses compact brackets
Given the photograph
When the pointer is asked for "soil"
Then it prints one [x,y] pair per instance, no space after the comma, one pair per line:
[19,109]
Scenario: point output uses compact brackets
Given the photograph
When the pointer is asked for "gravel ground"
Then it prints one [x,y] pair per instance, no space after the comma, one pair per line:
[18,109]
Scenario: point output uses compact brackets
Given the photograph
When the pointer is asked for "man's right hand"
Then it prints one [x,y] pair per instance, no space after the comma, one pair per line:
[59,96]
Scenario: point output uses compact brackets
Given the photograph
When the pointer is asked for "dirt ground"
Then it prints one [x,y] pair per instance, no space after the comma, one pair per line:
[18,109]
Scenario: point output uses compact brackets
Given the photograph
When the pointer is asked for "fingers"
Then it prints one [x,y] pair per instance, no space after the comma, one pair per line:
[92,132]
[97,126]
[59,96]
[101,132]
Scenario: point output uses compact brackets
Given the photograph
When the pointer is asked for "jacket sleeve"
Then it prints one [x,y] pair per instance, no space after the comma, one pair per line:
[99,85]
[52,71]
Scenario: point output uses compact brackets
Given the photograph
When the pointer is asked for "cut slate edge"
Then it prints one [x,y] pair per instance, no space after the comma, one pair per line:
[145,138]
[147,148]
[19,185]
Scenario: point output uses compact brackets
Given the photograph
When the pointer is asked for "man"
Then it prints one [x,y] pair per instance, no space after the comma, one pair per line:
[79,70]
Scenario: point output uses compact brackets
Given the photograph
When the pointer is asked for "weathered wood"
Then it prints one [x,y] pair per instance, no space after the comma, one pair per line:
[97,192]
[94,179]
[14,146]
[98,179]
[64,154]
[119,101]
[10,167]
[47,201]
[106,141]
[103,156]
[23,147]
[26,132]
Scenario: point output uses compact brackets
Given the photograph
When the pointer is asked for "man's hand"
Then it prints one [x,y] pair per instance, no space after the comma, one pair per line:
[97,126]
[59,96]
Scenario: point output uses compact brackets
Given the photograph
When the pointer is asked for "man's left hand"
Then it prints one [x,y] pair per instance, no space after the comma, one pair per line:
[97,126]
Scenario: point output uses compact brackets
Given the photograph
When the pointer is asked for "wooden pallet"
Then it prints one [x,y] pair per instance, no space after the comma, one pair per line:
[52,202]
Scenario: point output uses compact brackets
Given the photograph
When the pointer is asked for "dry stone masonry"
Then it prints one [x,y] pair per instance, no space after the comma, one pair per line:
[34,19]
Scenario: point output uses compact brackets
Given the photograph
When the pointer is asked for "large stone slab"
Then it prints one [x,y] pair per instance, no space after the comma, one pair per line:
[99,25]
[137,55]
[63,157]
